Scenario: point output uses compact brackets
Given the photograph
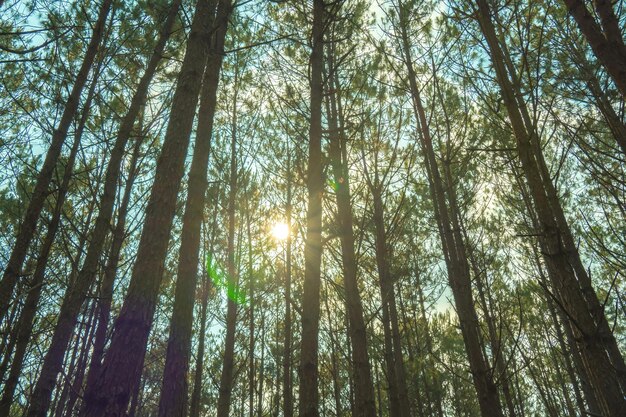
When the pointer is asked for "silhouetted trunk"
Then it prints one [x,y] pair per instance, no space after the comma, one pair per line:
[173,399]
[121,371]
[396,374]
[309,396]
[287,375]
[432,383]
[194,407]
[72,386]
[605,39]
[334,359]
[29,223]
[226,379]
[251,327]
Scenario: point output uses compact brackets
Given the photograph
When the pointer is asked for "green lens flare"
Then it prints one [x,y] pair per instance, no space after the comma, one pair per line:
[220,280]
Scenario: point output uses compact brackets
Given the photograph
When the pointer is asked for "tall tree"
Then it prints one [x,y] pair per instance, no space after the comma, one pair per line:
[227,374]
[173,401]
[363,388]
[452,242]
[121,370]
[309,372]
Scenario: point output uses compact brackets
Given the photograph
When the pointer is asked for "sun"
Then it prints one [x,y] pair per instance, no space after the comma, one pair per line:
[280,231]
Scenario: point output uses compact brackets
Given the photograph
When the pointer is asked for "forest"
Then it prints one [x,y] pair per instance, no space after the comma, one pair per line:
[313,208]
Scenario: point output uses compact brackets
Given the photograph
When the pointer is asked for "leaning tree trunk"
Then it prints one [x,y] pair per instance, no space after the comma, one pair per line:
[309,396]
[37,199]
[105,294]
[174,392]
[569,280]
[121,370]
[605,40]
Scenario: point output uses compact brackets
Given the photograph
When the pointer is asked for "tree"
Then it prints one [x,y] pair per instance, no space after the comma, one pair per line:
[309,372]
[121,369]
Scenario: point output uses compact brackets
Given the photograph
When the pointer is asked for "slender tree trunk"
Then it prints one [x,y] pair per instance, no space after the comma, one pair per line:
[389,301]
[73,386]
[121,370]
[569,279]
[309,372]
[333,358]
[173,400]
[287,375]
[25,324]
[77,384]
[259,407]
[454,251]
[363,388]
[194,408]
[605,40]
[29,224]
[251,328]
[433,383]
[226,379]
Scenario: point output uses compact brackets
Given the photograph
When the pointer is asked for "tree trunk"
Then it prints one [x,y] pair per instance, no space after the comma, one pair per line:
[363,388]
[173,400]
[606,41]
[309,396]
[454,251]
[569,279]
[121,370]
[226,379]
[287,375]
[195,408]
[37,199]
